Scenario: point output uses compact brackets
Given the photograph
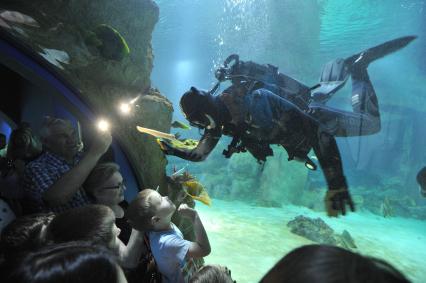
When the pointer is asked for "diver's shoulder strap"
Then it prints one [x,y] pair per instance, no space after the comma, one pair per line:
[234,102]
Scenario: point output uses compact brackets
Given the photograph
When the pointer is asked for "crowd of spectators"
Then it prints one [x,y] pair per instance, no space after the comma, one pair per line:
[64,219]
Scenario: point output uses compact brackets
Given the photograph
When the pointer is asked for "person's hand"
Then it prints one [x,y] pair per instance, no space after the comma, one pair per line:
[181,195]
[187,212]
[100,143]
[336,201]
[165,146]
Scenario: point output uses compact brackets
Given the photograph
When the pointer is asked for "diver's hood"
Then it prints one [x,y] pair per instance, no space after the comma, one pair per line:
[199,108]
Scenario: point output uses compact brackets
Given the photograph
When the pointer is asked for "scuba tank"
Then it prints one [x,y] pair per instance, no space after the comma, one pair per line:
[252,76]
[266,76]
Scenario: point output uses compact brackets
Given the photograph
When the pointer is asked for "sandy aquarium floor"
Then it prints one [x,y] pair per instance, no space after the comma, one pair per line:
[250,240]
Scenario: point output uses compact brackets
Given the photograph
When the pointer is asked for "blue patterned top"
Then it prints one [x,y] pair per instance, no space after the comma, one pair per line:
[41,174]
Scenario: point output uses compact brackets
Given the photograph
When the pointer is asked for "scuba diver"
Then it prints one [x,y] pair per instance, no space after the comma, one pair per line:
[264,107]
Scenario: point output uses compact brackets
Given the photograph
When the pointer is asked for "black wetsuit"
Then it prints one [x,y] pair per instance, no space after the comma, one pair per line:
[263,107]
[261,118]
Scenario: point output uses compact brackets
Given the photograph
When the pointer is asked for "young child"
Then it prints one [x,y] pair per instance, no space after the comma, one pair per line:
[150,212]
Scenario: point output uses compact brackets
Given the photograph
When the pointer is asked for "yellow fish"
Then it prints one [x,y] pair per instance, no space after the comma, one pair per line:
[177,124]
[196,191]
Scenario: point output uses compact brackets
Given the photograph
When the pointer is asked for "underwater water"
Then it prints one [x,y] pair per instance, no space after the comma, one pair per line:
[247,222]
[251,239]
[105,52]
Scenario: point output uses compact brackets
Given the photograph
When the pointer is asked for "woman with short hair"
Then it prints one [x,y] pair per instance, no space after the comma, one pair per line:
[105,185]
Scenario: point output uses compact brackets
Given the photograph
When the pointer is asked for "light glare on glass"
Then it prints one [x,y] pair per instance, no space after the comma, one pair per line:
[125,108]
[103,125]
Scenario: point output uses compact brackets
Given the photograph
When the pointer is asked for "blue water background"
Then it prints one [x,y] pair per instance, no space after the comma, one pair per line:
[193,37]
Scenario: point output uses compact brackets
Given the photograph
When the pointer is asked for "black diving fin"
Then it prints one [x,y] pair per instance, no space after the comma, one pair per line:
[365,57]
[335,73]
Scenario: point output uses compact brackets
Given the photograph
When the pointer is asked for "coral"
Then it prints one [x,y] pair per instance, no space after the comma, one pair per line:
[185,185]
[386,208]
[185,144]
[345,240]
[313,229]
[318,231]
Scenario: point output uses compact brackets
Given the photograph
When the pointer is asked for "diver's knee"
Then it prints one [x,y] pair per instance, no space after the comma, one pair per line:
[335,70]
[377,126]
[370,126]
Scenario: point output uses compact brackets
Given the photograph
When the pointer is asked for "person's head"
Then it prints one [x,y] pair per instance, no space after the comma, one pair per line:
[25,233]
[322,263]
[69,262]
[23,144]
[105,184]
[421,180]
[59,137]
[212,273]
[95,223]
[150,211]
[198,108]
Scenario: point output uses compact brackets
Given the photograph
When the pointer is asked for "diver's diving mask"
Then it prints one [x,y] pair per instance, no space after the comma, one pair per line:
[195,105]
[202,121]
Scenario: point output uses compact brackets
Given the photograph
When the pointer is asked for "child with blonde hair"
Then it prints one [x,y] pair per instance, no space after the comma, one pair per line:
[150,212]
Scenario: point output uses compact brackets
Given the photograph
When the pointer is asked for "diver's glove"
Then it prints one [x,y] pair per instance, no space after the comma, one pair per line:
[336,201]
[166,146]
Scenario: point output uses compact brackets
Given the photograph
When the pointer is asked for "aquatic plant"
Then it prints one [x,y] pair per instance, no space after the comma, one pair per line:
[386,208]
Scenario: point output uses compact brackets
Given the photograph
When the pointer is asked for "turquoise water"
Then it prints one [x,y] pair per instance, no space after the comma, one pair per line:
[247,222]
[193,37]
[250,240]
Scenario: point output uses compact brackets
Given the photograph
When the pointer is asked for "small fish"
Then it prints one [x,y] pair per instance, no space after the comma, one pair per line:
[196,191]
[4,24]
[56,57]
[18,18]
[111,44]
[177,124]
